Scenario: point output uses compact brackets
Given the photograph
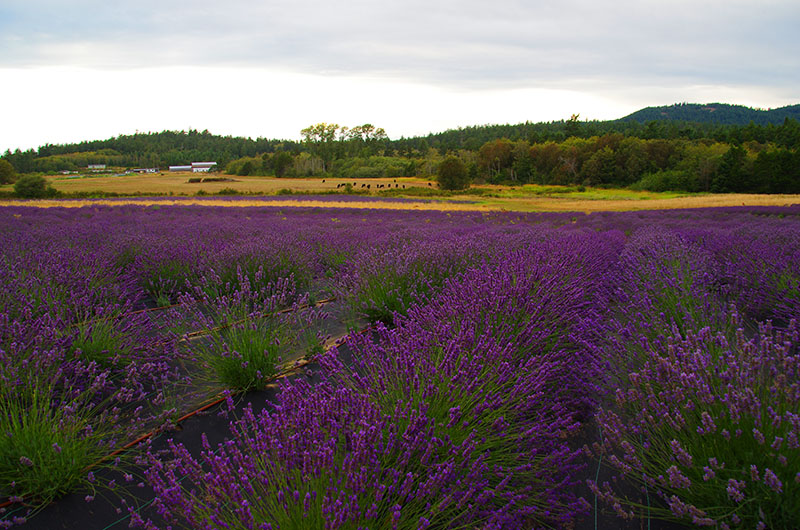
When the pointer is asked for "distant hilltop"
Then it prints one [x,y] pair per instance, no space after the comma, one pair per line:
[720,113]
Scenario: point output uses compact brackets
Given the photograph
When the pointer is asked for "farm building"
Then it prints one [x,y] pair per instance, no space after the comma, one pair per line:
[202,167]
[196,167]
[96,167]
[146,170]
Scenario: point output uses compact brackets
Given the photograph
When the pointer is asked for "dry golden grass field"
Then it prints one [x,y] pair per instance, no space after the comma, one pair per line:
[178,184]
[519,198]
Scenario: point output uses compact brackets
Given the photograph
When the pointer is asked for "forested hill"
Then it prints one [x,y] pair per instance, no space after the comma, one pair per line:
[679,153]
[719,113]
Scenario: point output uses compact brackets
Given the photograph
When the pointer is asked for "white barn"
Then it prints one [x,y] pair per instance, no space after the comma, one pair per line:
[202,167]
[196,167]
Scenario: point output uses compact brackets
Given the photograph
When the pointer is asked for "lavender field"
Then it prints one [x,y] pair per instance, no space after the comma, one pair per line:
[446,369]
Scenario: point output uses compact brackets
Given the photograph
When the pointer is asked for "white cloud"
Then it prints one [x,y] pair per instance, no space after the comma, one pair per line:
[506,41]
[71,104]
[411,67]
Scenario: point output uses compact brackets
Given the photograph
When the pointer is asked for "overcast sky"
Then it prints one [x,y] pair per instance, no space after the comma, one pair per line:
[91,69]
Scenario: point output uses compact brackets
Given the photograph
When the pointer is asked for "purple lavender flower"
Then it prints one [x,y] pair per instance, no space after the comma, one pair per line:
[678,479]
[758,436]
[735,490]
[772,481]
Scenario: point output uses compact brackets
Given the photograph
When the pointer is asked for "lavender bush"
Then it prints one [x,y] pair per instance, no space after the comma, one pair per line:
[321,461]
[504,336]
[466,401]
[710,428]
[246,334]
[695,377]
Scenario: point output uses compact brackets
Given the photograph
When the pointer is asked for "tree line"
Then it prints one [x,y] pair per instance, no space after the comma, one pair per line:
[652,164]
[665,156]
[158,149]
[721,113]
[657,155]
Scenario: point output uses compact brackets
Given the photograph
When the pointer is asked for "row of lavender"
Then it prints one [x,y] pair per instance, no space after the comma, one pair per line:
[85,367]
[509,333]
[457,416]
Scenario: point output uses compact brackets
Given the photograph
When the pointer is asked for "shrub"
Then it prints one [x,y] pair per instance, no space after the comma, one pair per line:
[670,281]
[437,424]
[378,285]
[709,429]
[100,342]
[452,174]
[671,180]
[245,169]
[45,449]
[164,280]
[246,333]
[7,172]
[33,187]
[244,356]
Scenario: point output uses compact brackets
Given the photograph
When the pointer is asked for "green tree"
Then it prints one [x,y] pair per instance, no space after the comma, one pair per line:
[281,162]
[631,160]
[732,174]
[246,169]
[33,187]
[7,172]
[472,172]
[321,141]
[777,171]
[600,167]
[572,127]
[546,159]
[452,174]
[496,156]
[410,169]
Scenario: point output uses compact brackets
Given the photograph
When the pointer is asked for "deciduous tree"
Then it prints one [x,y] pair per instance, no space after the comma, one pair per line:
[281,162]
[33,187]
[7,172]
[452,174]
[320,139]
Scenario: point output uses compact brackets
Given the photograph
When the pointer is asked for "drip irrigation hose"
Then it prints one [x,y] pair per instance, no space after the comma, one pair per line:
[336,342]
[162,308]
[141,507]
[646,490]
[203,332]
[124,517]
[215,401]
[123,315]
[597,476]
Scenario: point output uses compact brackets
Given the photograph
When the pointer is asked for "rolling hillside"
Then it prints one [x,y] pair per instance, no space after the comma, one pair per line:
[720,113]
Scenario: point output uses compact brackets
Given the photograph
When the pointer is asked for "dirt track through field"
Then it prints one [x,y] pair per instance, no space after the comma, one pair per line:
[522,204]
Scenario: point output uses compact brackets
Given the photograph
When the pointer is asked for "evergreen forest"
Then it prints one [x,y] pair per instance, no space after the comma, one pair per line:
[684,147]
